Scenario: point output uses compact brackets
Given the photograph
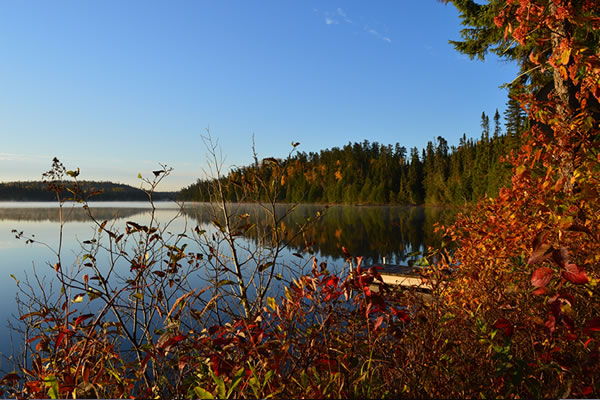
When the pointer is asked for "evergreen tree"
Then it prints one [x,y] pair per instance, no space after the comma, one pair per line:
[416,193]
[497,127]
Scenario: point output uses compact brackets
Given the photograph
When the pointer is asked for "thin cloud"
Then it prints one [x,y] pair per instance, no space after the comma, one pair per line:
[339,15]
[377,34]
[343,14]
[334,18]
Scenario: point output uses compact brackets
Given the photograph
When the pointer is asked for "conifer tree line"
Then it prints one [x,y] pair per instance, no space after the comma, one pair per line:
[373,173]
[102,191]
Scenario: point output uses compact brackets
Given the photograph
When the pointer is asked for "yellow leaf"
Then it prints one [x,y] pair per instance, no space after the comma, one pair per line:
[563,72]
[564,58]
[78,298]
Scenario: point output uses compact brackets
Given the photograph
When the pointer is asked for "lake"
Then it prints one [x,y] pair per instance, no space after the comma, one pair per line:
[374,232]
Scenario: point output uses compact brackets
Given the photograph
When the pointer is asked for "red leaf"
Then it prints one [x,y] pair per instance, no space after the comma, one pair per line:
[593,325]
[541,250]
[60,338]
[145,361]
[332,281]
[504,325]
[540,291]
[183,362]
[401,314]
[215,362]
[541,276]
[178,338]
[82,318]
[551,323]
[378,322]
[368,309]
[574,274]
[34,338]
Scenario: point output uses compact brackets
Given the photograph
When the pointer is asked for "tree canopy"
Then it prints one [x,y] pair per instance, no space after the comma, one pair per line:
[374,173]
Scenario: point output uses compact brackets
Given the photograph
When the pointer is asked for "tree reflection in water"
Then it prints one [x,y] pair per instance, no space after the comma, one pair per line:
[373,232]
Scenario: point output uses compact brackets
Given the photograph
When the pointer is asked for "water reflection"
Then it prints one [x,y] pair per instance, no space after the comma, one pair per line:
[373,232]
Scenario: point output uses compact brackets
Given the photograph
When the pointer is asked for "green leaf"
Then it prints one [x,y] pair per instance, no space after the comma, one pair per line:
[423,262]
[447,317]
[237,378]
[254,386]
[92,294]
[304,379]
[52,385]
[202,393]
[271,303]
[73,174]
[220,385]
[268,376]
[139,296]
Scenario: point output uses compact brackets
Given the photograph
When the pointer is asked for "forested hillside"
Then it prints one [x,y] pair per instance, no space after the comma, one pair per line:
[104,191]
[373,173]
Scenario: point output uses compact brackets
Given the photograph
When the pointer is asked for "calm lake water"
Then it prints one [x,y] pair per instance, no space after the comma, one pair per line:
[373,232]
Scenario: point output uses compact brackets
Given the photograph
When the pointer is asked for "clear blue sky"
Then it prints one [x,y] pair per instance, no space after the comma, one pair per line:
[116,87]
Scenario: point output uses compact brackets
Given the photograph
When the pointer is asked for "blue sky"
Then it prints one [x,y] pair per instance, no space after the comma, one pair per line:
[116,87]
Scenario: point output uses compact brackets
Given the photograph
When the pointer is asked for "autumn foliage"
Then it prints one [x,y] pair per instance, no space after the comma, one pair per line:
[529,258]
[519,316]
